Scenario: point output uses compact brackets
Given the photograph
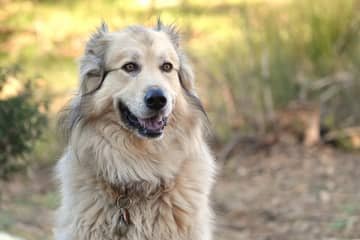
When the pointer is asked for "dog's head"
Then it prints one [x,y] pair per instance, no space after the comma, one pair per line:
[138,77]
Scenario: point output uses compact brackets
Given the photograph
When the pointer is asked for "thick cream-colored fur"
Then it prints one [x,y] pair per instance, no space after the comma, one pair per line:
[103,156]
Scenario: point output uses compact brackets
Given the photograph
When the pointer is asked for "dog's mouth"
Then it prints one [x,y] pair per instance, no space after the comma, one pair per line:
[151,127]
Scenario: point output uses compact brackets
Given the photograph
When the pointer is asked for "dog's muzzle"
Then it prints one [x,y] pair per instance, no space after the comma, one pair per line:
[151,127]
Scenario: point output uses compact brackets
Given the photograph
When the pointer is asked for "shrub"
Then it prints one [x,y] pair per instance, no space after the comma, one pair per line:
[21,122]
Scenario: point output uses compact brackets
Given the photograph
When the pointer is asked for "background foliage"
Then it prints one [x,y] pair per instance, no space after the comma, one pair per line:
[251,57]
[21,122]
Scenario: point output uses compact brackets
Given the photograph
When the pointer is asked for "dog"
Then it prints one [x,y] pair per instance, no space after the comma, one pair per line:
[137,165]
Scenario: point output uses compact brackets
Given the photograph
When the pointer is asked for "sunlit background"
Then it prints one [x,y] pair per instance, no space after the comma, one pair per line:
[280,80]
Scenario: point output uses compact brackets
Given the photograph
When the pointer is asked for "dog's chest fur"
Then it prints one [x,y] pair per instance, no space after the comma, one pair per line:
[143,211]
[169,208]
[157,214]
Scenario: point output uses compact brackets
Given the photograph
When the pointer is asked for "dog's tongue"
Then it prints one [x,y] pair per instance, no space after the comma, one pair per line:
[155,123]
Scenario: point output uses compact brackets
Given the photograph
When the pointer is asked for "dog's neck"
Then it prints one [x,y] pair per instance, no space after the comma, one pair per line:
[124,195]
[124,160]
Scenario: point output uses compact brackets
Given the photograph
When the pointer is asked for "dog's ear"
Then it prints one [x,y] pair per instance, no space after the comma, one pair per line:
[185,74]
[92,62]
[186,78]
[171,30]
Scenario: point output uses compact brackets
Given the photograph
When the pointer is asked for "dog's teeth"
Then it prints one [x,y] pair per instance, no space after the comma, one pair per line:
[142,122]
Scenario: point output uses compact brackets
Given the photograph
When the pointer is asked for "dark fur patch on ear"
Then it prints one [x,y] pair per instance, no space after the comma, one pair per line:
[92,62]
[159,24]
[194,100]
[101,76]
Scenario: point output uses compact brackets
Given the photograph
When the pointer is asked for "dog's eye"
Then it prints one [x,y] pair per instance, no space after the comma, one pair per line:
[130,67]
[166,67]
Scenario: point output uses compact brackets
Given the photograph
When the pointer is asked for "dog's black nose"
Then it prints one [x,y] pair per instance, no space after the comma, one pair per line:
[155,99]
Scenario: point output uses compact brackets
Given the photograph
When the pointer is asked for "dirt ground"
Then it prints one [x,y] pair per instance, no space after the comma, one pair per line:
[285,192]
[289,193]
